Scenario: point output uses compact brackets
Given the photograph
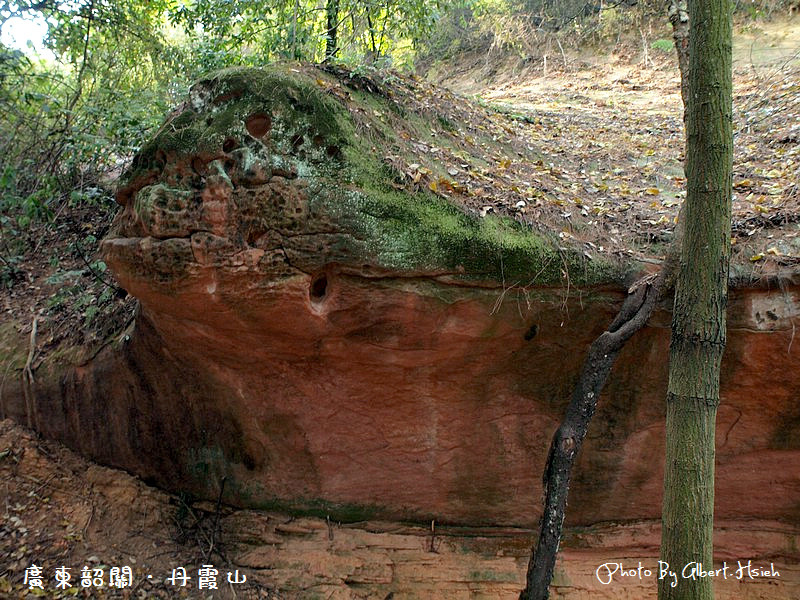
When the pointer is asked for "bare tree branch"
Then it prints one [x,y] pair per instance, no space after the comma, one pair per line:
[636,310]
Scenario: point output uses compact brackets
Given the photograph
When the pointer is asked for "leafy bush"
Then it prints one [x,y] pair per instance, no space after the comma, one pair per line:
[664,45]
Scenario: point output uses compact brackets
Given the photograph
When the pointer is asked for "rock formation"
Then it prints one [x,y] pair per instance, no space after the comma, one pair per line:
[323,341]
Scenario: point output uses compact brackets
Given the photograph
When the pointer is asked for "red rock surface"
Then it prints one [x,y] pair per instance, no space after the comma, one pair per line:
[389,398]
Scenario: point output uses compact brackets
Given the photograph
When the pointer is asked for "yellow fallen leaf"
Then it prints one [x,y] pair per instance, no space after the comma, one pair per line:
[434,188]
[652,191]
[760,208]
[742,184]
[774,251]
[756,257]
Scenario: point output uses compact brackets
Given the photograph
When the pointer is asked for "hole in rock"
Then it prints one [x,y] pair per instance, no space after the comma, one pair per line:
[297,141]
[258,124]
[232,95]
[332,151]
[229,145]
[253,236]
[249,462]
[199,165]
[319,286]
[531,333]
[161,158]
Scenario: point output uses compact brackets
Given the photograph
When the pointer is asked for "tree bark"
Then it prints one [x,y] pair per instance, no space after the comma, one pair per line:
[567,441]
[332,13]
[679,17]
[295,13]
[698,324]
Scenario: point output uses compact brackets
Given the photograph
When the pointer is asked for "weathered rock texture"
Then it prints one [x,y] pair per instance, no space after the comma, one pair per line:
[324,342]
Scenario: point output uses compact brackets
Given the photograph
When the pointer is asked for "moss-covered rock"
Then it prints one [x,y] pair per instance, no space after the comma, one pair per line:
[281,163]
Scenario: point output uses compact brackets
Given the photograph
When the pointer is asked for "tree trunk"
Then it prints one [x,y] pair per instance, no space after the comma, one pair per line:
[698,324]
[372,36]
[332,12]
[567,441]
[679,17]
[294,29]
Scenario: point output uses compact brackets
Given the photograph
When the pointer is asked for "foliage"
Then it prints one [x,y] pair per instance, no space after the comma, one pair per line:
[664,45]
[70,120]
[255,33]
[531,29]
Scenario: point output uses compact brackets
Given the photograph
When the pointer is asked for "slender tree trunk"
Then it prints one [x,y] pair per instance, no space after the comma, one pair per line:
[294,28]
[698,325]
[679,17]
[372,36]
[567,441]
[332,12]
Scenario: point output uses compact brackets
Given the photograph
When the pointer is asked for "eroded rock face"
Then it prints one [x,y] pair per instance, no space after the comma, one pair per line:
[323,342]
